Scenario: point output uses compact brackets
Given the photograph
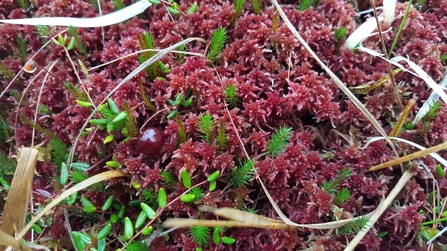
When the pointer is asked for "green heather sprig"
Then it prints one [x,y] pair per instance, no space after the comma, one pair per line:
[24,4]
[200,234]
[118,4]
[231,95]
[305,4]
[22,48]
[238,7]
[332,187]
[242,174]
[80,46]
[340,33]
[206,126]
[257,7]
[218,40]
[222,138]
[353,227]
[147,41]
[279,141]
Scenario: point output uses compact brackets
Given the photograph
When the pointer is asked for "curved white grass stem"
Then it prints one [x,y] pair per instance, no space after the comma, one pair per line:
[434,96]
[406,176]
[109,19]
[361,33]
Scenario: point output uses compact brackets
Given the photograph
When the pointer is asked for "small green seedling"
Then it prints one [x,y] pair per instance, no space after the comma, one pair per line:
[87,206]
[104,232]
[162,199]
[108,203]
[148,210]
[186,179]
[128,228]
[187,198]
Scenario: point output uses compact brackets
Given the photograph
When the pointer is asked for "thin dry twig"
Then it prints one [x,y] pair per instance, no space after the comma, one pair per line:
[412,156]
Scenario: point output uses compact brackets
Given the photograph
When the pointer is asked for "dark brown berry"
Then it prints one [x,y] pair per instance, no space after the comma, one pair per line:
[151,141]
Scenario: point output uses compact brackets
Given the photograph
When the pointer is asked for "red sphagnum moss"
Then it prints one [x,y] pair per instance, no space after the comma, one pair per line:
[276,82]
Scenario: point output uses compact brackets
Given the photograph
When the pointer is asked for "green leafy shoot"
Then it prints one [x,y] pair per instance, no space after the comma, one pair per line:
[74,90]
[149,196]
[197,192]
[37,126]
[222,138]
[44,109]
[167,178]
[332,186]
[192,9]
[5,132]
[24,4]
[238,7]
[305,4]
[353,226]
[147,41]
[95,4]
[218,40]
[242,174]
[200,234]
[256,6]
[116,120]
[22,48]
[421,2]
[59,151]
[340,33]
[130,129]
[136,245]
[252,210]
[206,126]
[400,29]
[118,4]
[78,176]
[81,240]
[144,97]
[79,44]
[342,196]
[280,139]
[443,57]
[7,165]
[433,111]
[6,72]
[231,95]
[44,31]
[181,129]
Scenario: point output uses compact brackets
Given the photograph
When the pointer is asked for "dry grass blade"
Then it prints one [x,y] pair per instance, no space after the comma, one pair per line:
[187,223]
[406,176]
[65,194]
[238,215]
[403,117]
[412,156]
[8,240]
[245,219]
[16,206]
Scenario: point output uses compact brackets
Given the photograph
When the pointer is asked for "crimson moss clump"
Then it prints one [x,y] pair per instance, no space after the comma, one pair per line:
[261,81]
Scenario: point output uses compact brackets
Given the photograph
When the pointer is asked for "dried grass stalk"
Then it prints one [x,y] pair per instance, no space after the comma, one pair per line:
[16,206]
